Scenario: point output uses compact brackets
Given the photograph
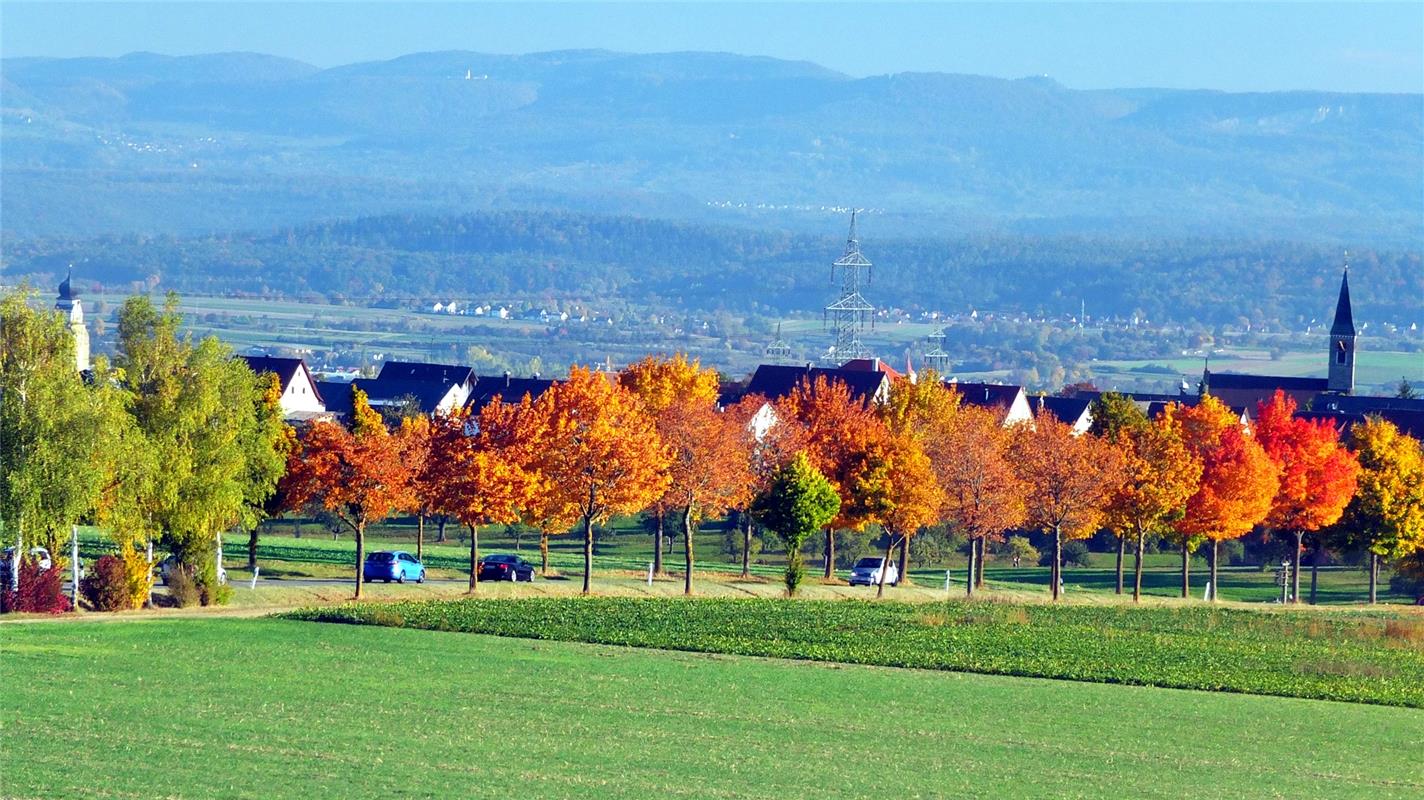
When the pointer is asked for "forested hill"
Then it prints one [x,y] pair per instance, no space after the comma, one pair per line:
[151,144]
[539,256]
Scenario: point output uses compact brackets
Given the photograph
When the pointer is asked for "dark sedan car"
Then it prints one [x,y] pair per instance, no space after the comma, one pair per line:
[505,568]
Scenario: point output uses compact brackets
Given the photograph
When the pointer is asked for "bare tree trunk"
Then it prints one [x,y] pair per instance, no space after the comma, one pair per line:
[252,548]
[440,528]
[1137,569]
[1057,560]
[979,563]
[830,553]
[543,553]
[1186,569]
[905,560]
[360,555]
[1295,567]
[419,537]
[474,558]
[1211,581]
[587,552]
[658,568]
[1314,568]
[1374,576]
[1121,553]
[885,564]
[969,570]
[746,545]
[687,546]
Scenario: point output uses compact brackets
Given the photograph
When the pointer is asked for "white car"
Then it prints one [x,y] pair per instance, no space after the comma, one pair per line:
[866,572]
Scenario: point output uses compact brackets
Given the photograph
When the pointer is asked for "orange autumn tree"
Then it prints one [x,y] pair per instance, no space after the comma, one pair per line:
[484,473]
[914,498]
[416,434]
[1067,478]
[1238,481]
[710,467]
[1318,477]
[769,450]
[601,458]
[971,455]
[1157,478]
[356,473]
[846,442]
[920,409]
[664,384]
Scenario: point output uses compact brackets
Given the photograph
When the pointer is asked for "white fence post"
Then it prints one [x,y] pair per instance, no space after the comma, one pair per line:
[650,573]
[74,564]
[946,581]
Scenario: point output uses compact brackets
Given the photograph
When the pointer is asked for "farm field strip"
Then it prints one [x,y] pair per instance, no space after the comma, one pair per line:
[1355,656]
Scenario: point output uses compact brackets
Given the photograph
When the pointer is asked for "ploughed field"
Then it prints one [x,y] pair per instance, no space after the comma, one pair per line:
[229,708]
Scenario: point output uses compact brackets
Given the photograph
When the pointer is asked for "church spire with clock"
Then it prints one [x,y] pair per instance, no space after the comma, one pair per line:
[1342,341]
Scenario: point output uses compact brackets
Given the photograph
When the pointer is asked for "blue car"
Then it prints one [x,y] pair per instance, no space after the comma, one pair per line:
[393,565]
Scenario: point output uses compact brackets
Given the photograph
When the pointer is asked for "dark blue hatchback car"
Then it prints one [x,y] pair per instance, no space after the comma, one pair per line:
[393,565]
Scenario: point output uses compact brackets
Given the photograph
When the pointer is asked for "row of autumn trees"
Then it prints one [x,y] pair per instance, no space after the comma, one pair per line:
[652,438]
[172,443]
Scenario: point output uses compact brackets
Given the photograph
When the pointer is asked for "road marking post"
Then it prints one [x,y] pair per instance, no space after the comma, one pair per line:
[255,570]
[1206,593]
[650,573]
[946,581]
[74,564]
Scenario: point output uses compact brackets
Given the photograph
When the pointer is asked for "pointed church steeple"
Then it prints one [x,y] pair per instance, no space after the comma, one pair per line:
[1342,340]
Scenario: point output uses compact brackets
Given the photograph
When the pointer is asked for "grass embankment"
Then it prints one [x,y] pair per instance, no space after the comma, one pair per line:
[226,708]
[1360,657]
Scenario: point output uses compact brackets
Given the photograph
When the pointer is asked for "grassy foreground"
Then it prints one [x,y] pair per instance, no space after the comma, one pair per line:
[1360,657]
[229,708]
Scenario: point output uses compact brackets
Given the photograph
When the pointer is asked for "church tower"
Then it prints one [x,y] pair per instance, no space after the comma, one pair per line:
[1342,341]
[69,303]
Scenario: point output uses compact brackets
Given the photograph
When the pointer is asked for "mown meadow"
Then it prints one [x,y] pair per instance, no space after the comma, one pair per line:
[262,708]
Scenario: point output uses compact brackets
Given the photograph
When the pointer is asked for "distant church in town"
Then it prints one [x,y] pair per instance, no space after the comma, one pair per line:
[70,304]
[1245,390]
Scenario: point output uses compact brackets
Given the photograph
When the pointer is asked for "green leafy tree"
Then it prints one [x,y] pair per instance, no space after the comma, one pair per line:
[1386,515]
[54,429]
[798,502]
[197,407]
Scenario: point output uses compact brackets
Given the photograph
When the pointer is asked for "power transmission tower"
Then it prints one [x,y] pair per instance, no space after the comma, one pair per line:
[936,358]
[851,313]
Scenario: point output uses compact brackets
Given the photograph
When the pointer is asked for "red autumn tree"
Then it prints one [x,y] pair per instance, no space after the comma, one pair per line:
[1067,478]
[846,442]
[710,467]
[416,434]
[358,473]
[1238,481]
[1318,476]
[485,469]
[601,456]
[971,455]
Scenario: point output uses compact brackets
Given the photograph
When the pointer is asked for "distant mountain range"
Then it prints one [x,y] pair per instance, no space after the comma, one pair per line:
[156,144]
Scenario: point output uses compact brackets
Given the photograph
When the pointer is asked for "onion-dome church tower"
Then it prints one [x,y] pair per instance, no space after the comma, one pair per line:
[1342,342]
[69,303]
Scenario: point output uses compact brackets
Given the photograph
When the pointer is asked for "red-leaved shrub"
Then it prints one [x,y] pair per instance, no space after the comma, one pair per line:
[106,587]
[41,591]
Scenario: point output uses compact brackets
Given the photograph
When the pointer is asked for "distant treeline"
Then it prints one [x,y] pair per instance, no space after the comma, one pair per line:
[502,255]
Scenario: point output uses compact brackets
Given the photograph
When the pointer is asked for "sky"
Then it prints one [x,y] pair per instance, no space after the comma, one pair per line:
[1230,46]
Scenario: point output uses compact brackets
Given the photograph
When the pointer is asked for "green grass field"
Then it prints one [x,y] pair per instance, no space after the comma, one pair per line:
[230,708]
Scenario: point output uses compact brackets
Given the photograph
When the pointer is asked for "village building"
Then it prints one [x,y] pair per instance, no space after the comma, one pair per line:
[301,400]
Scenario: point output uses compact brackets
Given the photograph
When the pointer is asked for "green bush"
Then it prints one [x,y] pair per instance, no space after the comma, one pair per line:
[182,589]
